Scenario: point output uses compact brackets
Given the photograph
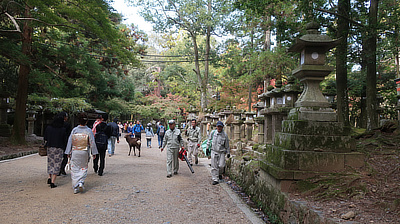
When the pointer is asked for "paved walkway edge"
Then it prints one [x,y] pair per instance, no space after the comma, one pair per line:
[240,203]
[17,155]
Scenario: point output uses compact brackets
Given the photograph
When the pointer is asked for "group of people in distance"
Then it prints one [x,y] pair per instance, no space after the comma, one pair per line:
[80,143]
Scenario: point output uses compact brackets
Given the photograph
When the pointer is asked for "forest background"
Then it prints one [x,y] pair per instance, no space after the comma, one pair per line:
[75,55]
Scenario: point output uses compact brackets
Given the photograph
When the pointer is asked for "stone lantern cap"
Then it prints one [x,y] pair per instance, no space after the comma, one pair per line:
[263,96]
[274,92]
[313,38]
[258,105]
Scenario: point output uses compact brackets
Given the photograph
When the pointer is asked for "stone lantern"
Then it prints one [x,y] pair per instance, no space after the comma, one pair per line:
[311,142]
[214,120]
[237,122]
[258,107]
[259,121]
[249,124]
[228,125]
[290,93]
[221,116]
[31,121]
[193,113]
[5,129]
[311,71]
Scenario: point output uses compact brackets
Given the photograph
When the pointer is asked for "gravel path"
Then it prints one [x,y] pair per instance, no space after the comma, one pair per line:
[132,190]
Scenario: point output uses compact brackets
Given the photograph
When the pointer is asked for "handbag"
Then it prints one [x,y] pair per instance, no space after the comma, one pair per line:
[43,149]
[68,166]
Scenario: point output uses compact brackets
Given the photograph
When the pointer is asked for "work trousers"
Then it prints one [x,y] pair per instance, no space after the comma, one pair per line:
[193,150]
[172,159]
[217,164]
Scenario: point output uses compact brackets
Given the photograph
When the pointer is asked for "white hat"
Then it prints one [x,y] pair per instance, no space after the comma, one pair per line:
[171,122]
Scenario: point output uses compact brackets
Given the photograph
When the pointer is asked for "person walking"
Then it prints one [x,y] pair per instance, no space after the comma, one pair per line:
[129,130]
[173,142]
[121,128]
[101,140]
[149,134]
[219,148]
[113,132]
[137,129]
[160,134]
[68,129]
[96,122]
[80,145]
[56,137]
[194,139]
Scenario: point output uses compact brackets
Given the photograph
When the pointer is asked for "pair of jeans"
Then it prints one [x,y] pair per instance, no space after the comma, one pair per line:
[148,142]
[160,140]
[138,135]
[111,145]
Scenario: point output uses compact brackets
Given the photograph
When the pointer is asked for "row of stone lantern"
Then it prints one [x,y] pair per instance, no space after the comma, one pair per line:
[274,107]
[238,124]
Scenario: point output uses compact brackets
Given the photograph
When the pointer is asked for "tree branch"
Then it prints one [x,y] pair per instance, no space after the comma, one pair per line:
[48,24]
[340,15]
[17,29]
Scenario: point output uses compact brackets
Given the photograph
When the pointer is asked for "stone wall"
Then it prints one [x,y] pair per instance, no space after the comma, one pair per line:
[245,170]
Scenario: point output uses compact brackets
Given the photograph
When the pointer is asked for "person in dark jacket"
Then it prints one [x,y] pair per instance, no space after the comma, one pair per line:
[56,138]
[101,133]
[68,129]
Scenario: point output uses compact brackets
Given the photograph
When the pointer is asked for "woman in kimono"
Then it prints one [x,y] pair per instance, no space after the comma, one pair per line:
[56,137]
[80,145]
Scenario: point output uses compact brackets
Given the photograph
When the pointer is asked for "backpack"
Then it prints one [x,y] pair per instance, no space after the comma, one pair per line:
[101,140]
[207,151]
[162,131]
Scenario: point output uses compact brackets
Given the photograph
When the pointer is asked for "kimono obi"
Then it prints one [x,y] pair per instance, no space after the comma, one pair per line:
[80,141]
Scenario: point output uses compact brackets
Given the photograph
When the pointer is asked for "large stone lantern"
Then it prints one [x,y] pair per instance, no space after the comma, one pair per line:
[5,129]
[311,142]
[312,105]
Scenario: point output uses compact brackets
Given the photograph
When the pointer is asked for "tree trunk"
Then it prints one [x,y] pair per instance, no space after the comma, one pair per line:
[18,133]
[252,48]
[202,83]
[341,63]
[267,43]
[206,58]
[372,115]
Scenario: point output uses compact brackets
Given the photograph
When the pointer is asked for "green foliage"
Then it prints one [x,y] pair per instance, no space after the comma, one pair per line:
[71,105]
[78,49]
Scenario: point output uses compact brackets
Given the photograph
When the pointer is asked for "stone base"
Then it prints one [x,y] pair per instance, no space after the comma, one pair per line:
[290,161]
[267,191]
[311,165]
[303,135]
[322,143]
[312,114]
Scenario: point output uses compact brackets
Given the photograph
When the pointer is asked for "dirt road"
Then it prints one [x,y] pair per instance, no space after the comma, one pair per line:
[132,190]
